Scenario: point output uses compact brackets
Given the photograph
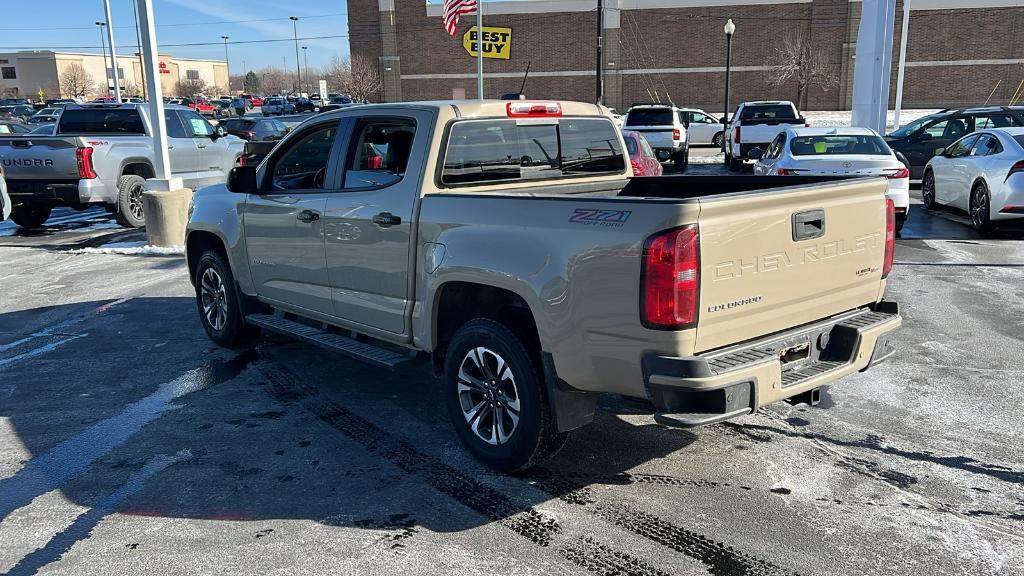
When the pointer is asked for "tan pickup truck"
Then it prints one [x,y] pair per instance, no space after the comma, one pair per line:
[507,241]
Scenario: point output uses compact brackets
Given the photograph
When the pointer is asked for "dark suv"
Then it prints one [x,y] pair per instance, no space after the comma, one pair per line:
[919,140]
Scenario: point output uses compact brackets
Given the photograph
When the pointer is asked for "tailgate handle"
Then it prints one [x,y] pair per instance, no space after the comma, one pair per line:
[808,224]
[21,143]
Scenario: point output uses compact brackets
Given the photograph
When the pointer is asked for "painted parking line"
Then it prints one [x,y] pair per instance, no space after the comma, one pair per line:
[59,327]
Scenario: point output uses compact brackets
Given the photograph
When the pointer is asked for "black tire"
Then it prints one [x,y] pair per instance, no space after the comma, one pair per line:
[215,286]
[899,226]
[981,209]
[681,160]
[928,191]
[735,164]
[533,437]
[130,212]
[716,140]
[31,216]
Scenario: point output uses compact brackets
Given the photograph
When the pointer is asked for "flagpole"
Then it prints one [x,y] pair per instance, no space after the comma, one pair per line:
[480,49]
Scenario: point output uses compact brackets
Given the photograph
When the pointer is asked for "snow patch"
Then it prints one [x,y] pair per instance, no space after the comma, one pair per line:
[133,249]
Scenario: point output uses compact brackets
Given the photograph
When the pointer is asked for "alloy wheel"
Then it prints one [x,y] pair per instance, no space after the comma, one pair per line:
[979,208]
[214,299]
[928,190]
[135,202]
[488,395]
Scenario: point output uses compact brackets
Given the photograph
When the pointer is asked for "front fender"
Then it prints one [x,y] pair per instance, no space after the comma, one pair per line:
[217,211]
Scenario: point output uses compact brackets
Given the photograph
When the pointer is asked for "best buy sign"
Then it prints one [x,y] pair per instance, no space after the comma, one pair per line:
[497,42]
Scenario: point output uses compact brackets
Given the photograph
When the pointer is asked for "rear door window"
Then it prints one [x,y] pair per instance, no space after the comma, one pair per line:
[649,117]
[767,112]
[175,129]
[380,152]
[502,150]
[995,121]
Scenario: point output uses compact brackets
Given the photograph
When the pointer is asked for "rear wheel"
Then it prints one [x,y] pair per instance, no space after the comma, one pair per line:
[716,140]
[130,212]
[31,215]
[496,398]
[682,160]
[981,214]
[928,190]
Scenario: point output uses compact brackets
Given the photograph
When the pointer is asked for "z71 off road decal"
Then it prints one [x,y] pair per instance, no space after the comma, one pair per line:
[598,217]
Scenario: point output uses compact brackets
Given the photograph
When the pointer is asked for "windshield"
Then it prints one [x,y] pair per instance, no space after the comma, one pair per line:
[829,144]
[649,117]
[912,127]
[767,112]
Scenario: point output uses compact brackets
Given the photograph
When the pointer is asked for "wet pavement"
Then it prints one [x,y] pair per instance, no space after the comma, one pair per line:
[130,444]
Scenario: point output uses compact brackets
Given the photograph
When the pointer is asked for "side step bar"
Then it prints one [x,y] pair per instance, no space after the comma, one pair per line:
[359,350]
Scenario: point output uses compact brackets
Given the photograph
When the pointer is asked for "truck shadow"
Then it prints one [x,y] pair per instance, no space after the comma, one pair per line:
[126,407]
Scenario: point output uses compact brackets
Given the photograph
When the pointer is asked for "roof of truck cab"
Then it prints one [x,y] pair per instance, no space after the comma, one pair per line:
[492,108]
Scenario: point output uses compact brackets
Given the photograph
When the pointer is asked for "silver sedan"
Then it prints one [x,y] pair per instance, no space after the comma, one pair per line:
[982,174]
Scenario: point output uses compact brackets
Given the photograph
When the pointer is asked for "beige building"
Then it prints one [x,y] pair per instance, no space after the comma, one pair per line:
[23,74]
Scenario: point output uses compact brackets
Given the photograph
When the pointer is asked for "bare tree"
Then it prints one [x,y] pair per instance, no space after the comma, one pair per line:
[275,81]
[797,60]
[191,87]
[358,77]
[76,82]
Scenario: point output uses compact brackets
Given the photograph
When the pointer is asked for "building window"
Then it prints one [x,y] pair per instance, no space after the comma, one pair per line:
[9,73]
[110,73]
[192,74]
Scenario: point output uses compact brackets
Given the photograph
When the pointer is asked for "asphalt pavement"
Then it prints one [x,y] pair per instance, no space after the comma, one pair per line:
[130,444]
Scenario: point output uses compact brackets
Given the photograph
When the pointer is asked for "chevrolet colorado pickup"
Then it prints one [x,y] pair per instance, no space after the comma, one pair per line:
[755,125]
[507,241]
[103,153]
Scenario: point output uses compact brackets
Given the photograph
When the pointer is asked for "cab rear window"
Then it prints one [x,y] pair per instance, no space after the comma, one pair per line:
[100,121]
[503,151]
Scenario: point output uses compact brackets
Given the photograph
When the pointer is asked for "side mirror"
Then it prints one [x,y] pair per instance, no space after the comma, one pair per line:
[242,180]
[755,154]
[723,120]
[940,151]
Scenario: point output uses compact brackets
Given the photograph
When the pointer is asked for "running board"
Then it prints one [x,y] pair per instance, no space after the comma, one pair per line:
[359,350]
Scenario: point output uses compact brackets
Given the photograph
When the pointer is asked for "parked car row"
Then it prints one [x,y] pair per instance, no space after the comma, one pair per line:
[101,154]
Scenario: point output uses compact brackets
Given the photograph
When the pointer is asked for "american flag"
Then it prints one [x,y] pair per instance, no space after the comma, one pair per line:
[452,10]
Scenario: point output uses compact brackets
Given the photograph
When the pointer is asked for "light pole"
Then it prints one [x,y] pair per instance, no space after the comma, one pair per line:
[142,64]
[295,34]
[113,52]
[103,43]
[227,62]
[729,29]
[305,66]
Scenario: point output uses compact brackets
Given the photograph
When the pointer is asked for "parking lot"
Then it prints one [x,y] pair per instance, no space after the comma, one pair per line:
[129,444]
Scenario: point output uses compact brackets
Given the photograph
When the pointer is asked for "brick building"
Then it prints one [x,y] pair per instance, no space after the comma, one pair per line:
[959,52]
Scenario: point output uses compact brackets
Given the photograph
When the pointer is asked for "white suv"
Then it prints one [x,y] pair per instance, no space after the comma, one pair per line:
[664,128]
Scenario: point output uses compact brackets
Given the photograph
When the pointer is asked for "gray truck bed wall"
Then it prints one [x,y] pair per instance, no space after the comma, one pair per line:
[573,258]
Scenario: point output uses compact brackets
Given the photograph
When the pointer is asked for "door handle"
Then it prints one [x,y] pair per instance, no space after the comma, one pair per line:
[200,145]
[307,216]
[170,146]
[386,220]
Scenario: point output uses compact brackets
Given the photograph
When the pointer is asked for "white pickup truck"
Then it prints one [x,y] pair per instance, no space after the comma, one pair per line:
[101,154]
[755,125]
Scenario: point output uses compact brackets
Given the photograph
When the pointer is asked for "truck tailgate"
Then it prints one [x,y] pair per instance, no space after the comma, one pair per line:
[41,158]
[774,260]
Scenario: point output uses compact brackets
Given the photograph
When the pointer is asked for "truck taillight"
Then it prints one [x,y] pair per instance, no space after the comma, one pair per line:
[85,168]
[670,279]
[675,134]
[901,173]
[890,237]
[736,140]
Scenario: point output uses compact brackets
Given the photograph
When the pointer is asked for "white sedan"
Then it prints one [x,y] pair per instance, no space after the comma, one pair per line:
[837,151]
[981,173]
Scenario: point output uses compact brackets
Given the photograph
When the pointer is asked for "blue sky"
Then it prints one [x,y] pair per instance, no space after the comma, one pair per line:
[70,25]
